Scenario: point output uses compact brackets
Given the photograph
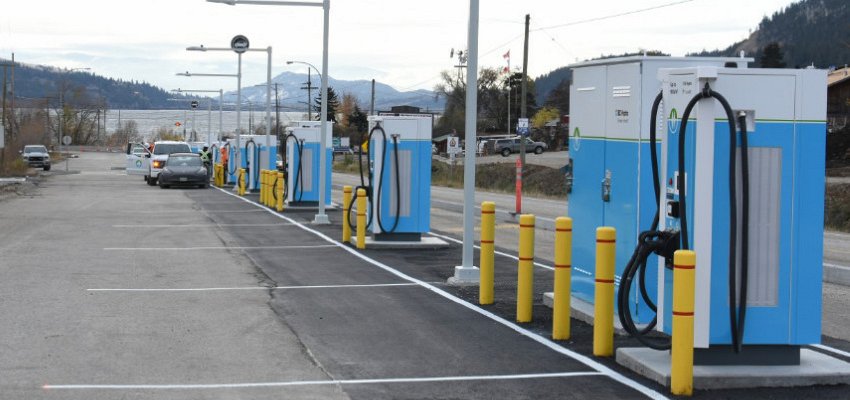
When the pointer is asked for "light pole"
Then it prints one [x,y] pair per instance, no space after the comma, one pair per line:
[321,217]
[238,77]
[308,81]
[220,118]
[268,50]
[62,110]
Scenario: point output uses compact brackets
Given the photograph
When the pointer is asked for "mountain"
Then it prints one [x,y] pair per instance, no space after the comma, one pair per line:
[293,98]
[37,82]
[811,32]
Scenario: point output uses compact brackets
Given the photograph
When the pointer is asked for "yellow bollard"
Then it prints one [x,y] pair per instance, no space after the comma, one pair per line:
[525,279]
[241,181]
[279,189]
[262,184]
[361,218]
[267,196]
[682,367]
[218,176]
[487,256]
[563,271]
[346,208]
[603,310]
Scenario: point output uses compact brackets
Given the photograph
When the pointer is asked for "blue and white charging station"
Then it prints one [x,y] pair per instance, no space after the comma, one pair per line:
[303,163]
[610,152]
[400,161]
[782,115]
[253,154]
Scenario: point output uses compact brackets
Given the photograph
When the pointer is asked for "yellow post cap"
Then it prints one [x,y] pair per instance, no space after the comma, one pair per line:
[488,206]
[526,221]
[346,189]
[686,258]
[563,223]
[606,233]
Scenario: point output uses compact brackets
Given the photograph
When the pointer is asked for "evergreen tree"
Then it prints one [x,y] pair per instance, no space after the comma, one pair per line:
[333,105]
[772,56]
[358,120]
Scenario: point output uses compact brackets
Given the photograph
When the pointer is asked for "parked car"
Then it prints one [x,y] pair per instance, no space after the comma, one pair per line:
[507,146]
[185,169]
[150,162]
[36,155]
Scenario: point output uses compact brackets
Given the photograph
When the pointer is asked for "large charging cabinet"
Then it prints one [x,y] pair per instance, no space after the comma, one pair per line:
[303,152]
[253,154]
[408,139]
[786,123]
[610,102]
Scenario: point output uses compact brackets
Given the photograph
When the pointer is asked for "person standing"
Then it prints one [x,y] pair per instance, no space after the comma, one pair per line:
[205,158]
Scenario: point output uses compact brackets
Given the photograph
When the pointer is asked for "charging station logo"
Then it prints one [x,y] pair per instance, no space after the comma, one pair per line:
[576,139]
[673,122]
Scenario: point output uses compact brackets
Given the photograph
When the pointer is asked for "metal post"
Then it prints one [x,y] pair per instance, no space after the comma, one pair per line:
[220,114]
[523,112]
[269,106]
[321,217]
[372,103]
[209,123]
[238,150]
[467,273]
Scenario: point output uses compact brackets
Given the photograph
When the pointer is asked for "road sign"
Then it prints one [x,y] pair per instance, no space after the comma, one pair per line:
[177,124]
[522,126]
[239,44]
[453,146]
[194,103]
[337,142]
[66,140]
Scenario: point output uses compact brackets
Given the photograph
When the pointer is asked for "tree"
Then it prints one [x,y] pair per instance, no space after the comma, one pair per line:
[333,105]
[347,108]
[560,96]
[772,56]
[544,115]
[358,120]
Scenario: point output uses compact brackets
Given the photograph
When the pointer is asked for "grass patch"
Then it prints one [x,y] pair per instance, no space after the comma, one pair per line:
[538,181]
[837,207]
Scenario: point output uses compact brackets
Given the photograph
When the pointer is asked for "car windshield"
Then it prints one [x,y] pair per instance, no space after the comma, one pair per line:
[35,149]
[168,148]
[183,161]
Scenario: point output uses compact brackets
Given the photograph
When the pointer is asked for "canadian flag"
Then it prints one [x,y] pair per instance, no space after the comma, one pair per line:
[507,56]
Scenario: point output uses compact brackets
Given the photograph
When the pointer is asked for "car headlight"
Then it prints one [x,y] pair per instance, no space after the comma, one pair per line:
[158,164]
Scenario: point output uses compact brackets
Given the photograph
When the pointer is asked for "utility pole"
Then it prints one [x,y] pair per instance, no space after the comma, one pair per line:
[276,113]
[372,103]
[309,88]
[523,105]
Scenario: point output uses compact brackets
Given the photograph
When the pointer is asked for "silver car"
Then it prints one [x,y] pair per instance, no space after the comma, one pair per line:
[36,155]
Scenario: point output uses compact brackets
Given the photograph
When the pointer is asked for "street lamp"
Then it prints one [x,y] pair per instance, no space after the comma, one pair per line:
[62,110]
[321,217]
[220,118]
[268,50]
[309,84]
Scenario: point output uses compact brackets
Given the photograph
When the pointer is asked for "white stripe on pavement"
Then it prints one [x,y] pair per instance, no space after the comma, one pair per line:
[320,246]
[213,289]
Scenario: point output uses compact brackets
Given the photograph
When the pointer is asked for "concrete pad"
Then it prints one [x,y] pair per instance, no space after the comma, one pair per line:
[814,369]
[837,274]
[582,311]
[427,242]
[332,206]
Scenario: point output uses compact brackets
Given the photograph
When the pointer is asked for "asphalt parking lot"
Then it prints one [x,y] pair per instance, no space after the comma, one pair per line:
[115,289]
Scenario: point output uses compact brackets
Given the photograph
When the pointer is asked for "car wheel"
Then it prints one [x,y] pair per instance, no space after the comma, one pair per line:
[538,150]
[152,181]
[506,152]
[146,178]
[47,168]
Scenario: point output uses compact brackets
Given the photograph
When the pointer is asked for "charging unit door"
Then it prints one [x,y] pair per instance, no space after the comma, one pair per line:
[587,149]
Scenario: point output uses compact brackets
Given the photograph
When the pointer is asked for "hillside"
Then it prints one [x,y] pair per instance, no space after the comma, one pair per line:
[809,32]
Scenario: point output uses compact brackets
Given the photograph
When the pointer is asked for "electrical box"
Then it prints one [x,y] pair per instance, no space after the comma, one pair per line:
[400,163]
[785,111]
[610,103]
[303,163]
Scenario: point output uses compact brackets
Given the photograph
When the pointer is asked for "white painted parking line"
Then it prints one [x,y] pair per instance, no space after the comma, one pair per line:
[193,210]
[215,289]
[199,225]
[319,246]
[545,341]
[328,382]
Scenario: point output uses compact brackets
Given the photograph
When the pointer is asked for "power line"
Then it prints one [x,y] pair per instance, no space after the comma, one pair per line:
[584,21]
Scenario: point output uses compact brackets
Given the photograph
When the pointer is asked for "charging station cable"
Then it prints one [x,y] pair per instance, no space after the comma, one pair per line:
[370,186]
[299,176]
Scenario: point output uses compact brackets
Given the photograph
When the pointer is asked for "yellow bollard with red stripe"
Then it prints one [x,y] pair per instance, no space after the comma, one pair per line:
[279,191]
[563,275]
[269,181]
[525,279]
[346,217]
[242,182]
[682,352]
[263,187]
[361,218]
[487,255]
[603,310]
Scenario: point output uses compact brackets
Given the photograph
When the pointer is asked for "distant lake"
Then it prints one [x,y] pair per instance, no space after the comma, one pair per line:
[150,121]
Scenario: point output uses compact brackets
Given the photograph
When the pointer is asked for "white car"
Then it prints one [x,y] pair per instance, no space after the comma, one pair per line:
[141,161]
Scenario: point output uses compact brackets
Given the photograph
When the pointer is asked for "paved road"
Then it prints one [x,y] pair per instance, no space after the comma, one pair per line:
[114,289]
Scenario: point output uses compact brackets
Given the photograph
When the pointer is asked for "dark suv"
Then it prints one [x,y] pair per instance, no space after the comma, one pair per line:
[511,145]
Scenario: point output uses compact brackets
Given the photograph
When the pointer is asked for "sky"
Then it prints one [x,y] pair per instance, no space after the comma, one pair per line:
[403,43]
